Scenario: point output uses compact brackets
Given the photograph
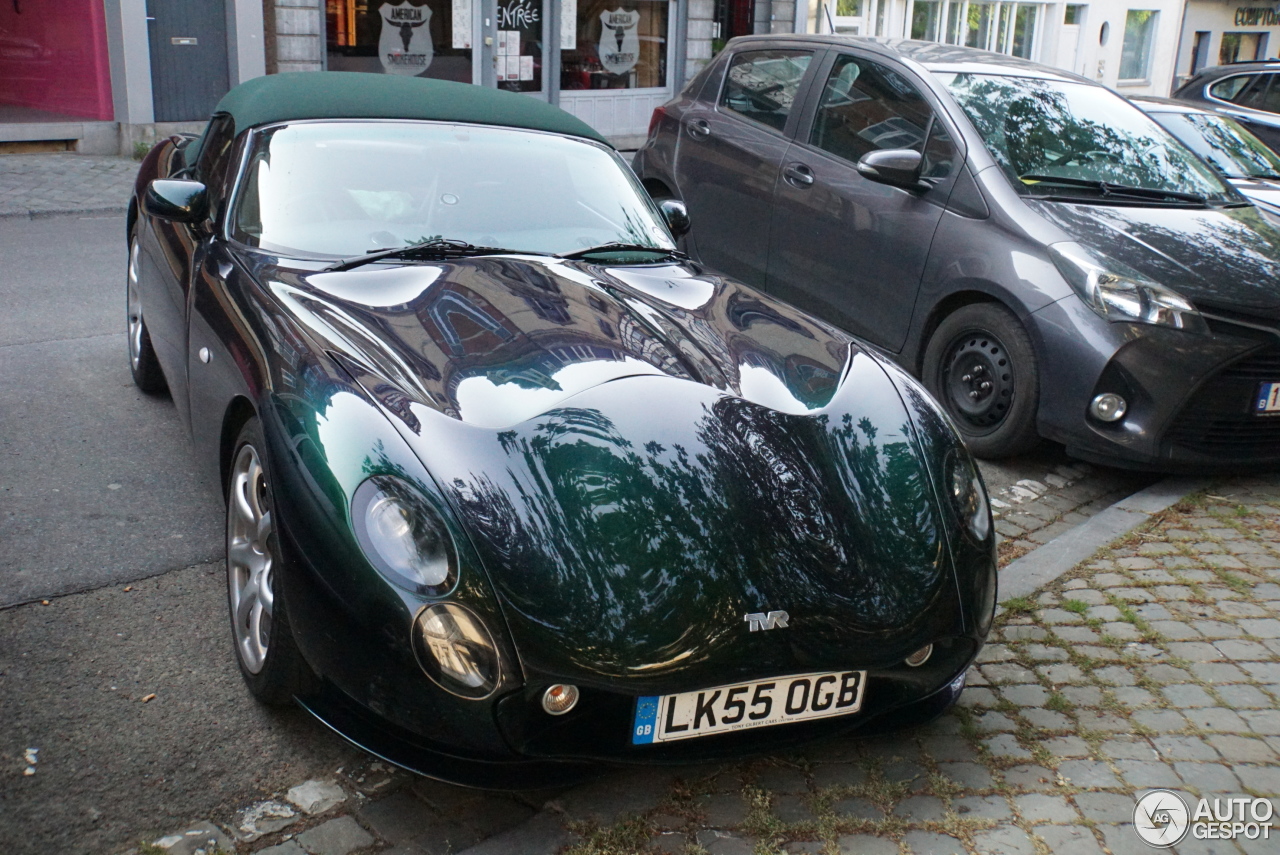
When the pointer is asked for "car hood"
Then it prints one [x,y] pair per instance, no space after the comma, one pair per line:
[1226,258]
[643,456]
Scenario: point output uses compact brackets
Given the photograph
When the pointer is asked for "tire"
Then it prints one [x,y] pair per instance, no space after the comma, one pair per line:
[982,368]
[143,364]
[270,663]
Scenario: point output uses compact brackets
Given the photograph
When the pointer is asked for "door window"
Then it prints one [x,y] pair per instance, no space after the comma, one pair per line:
[865,107]
[1231,87]
[762,84]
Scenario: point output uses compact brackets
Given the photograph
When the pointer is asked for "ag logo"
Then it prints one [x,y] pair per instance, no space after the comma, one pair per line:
[405,44]
[772,620]
[1161,818]
[619,48]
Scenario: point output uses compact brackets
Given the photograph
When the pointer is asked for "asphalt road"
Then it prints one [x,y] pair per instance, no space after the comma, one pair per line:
[96,482]
[98,491]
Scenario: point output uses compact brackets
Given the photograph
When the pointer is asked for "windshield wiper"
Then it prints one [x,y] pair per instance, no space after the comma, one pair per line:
[1107,189]
[434,248]
[622,247]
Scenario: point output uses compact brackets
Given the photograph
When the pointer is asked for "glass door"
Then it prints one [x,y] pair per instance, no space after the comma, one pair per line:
[515,55]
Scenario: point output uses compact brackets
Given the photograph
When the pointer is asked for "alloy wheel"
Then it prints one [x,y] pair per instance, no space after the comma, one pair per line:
[250,559]
[133,309]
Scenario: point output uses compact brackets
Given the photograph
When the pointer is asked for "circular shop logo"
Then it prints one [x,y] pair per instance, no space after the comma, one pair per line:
[1161,818]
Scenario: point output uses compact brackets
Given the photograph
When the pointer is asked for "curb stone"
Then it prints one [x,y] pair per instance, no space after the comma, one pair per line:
[34,214]
[1041,566]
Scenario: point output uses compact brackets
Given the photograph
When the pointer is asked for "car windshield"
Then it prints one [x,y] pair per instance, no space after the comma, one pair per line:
[1083,134]
[343,188]
[1222,142]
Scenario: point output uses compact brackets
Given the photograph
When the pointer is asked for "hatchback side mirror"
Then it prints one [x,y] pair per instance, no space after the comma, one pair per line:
[175,199]
[897,167]
[676,215]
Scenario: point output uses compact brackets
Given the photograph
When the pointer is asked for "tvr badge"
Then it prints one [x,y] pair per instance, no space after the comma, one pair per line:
[772,620]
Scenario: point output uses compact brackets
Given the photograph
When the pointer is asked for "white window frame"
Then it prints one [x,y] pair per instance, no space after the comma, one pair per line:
[993,37]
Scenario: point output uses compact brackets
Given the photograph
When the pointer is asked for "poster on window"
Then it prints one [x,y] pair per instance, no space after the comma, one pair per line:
[405,44]
[462,23]
[619,48]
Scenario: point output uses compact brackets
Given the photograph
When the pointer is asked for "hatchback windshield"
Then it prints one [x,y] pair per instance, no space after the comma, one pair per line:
[1227,146]
[343,188]
[1040,130]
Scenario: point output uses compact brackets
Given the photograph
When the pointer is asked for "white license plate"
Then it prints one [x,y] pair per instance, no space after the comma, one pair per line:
[1268,398]
[739,706]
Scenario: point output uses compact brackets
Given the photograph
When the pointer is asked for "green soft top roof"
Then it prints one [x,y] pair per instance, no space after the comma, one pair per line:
[357,95]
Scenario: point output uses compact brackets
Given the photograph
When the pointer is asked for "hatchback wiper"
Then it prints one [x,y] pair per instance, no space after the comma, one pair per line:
[1107,189]
[434,248]
[622,247]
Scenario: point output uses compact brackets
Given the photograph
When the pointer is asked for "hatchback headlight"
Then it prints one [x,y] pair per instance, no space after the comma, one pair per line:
[969,496]
[1119,293]
[456,650]
[403,536]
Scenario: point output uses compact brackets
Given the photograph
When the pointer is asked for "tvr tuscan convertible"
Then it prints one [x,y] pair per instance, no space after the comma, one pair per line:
[512,486]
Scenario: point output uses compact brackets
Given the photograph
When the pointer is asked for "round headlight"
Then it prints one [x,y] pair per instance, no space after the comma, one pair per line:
[969,497]
[403,536]
[456,650]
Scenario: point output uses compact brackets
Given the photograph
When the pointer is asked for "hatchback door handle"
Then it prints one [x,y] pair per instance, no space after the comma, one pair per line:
[798,174]
[699,128]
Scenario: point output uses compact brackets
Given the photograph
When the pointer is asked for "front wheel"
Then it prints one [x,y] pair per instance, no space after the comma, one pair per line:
[269,659]
[981,366]
[143,364]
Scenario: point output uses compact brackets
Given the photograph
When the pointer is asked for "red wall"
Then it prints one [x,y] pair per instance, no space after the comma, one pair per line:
[53,56]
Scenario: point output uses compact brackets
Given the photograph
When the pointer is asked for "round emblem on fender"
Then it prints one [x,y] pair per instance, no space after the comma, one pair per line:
[1161,818]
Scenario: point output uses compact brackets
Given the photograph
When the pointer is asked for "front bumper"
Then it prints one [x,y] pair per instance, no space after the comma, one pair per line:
[1190,397]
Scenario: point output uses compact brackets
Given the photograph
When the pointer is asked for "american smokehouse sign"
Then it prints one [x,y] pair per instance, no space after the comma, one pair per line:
[405,44]
[619,47]
[1257,16]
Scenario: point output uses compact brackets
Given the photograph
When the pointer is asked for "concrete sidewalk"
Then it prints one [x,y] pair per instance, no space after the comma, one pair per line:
[1155,663]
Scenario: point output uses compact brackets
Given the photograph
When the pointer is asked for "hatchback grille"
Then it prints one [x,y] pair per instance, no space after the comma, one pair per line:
[1219,420]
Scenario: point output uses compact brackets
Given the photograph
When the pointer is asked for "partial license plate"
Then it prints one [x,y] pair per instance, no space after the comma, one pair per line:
[667,718]
[1268,399]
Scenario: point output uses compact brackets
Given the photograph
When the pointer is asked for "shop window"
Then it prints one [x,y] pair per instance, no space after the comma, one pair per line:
[423,38]
[1241,47]
[619,45]
[1139,36]
[761,84]
[1008,28]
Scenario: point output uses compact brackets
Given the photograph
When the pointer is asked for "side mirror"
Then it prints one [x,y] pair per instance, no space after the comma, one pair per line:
[676,215]
[175,199]
[897,167]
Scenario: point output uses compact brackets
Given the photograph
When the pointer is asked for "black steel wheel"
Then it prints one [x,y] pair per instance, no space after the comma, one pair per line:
[143,364]
[981,366]
[269,659]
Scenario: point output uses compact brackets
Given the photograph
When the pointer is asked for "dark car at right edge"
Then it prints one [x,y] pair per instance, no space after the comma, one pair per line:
[1047,258]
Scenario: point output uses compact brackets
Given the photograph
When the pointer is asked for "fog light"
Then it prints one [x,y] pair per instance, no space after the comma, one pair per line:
[559,699]
[1108,407]
[456,650]
[921,656]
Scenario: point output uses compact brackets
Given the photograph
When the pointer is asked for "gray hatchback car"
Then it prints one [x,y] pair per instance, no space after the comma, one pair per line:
[1048,259]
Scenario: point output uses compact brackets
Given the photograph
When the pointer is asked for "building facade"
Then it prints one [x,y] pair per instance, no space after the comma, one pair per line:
[1219,32]
[1128,45]
[105,75]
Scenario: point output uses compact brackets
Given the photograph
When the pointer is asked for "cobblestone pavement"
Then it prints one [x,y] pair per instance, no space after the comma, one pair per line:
[43,184]
[1154,664]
